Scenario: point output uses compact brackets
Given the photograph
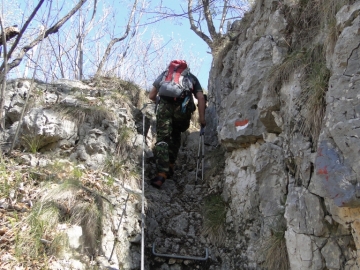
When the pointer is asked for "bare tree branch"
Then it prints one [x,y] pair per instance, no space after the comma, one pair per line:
[22,31]
[83,31]
[95,5]
[53,29]
[3,77]
[207,11]
[58,57]
[209,21]
[223,17]
[193,27]
[115,40]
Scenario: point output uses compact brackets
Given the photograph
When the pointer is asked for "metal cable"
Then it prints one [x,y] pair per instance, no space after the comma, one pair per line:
[143,194]
[142,201]
[143,197]
[118,228]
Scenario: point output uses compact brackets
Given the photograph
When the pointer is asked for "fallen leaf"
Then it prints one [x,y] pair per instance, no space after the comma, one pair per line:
[3,230]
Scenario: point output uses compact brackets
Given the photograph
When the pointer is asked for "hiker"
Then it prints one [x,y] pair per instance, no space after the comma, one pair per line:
[173,114]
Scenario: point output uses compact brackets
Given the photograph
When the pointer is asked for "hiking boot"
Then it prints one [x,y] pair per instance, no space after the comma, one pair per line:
[158,180]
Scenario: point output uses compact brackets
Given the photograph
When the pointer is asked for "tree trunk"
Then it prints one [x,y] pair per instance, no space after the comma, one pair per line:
[3,78]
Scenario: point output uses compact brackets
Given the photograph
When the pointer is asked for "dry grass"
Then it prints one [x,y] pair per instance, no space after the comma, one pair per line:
[123,145]
[281,73]
[35,240]
[214,214]
[133,92]
[31,142]
[310,64]
[61,194]
[67,203]
[329,9]
[312,100]
[9,179]
[89,216]
[114,166]
[127,90]
[274,250]
[310,19]
[80,114]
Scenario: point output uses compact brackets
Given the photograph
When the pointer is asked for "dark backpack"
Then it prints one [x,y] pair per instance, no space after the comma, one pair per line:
[176,81]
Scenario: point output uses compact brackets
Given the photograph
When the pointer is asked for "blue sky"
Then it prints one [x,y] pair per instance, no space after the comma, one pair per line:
[170,29]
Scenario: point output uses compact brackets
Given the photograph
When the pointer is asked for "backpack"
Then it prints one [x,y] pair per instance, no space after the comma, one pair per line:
[176,82]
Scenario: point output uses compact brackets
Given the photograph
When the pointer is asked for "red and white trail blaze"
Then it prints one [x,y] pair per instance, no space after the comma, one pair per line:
[241,124]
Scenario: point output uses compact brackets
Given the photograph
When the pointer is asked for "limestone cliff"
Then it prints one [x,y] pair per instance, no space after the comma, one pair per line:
[284,104]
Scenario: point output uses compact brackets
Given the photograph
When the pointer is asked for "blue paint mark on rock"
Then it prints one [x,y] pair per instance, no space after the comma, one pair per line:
[336,177]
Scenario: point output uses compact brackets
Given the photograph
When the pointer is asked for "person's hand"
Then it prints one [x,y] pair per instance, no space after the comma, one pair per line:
[202,122]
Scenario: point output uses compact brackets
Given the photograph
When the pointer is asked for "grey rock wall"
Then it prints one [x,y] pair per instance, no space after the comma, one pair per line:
[276,175]
[68,121]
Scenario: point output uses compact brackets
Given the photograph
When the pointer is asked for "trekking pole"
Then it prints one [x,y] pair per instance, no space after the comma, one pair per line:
[202,132]
[201,147]
[157,103]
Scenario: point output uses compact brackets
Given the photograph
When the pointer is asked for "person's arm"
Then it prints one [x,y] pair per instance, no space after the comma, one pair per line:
[201,107]
[153,94]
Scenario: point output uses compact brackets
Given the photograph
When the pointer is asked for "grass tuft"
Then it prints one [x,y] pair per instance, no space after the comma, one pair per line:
[115,167]
[274,249]
[314,76]
[66,202]
[127,91]
[312,100]
[214,215]
[32,143]
[309,20]
[80,114]
[281,73]
[42,222]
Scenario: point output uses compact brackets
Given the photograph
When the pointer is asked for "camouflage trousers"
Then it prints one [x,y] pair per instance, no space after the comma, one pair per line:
[170,122]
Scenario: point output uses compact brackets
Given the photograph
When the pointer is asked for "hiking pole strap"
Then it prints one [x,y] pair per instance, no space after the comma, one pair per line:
[201,146]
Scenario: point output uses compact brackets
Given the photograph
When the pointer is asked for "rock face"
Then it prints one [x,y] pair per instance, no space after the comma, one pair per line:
[75,125]
[290,167]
